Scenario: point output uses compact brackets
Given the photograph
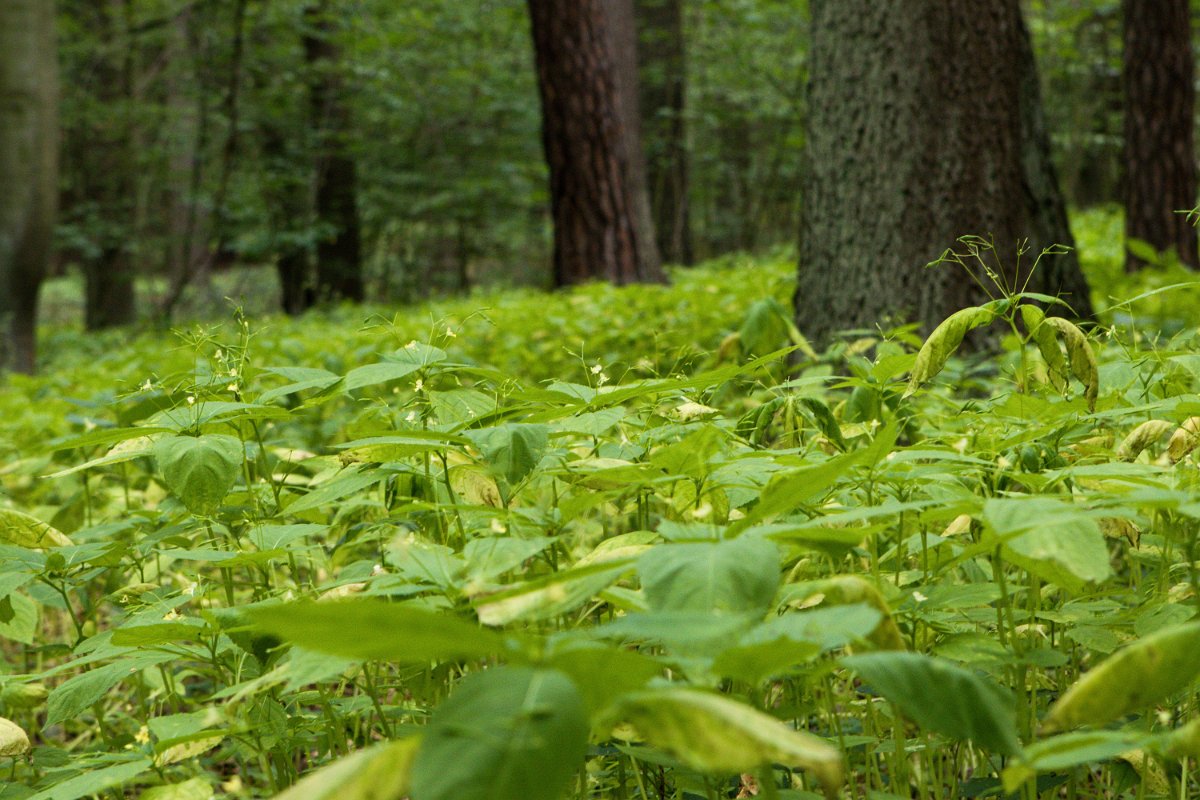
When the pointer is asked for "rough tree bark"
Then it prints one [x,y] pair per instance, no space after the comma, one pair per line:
[339,251]
[1160,98]
[595,235]
[28,169]
[914,142]
[624,42]
[663,73]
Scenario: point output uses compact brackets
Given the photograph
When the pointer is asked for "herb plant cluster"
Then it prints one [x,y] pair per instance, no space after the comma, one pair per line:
[614,543]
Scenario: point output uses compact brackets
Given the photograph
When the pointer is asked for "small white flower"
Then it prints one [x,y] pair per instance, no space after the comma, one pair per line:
[603,379]
[497,526]
[171,616]
[378,569]
[232,388]
[233,372]
[411,417]
[411,345]
[920,598]
[597,369]
[450,332]
[191,400]
[419,385]
[147,386]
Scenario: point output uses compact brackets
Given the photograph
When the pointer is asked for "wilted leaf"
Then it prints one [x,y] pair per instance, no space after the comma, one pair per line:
[942,343]
[1145,672]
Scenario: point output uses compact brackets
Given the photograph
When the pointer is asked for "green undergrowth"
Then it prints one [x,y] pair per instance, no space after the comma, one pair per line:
[610,543]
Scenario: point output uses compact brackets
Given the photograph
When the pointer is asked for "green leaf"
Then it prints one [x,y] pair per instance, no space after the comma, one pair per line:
[13,739]
[942,343]
[507,733]
[1051,538]
[789,490]
[75,695]
[1043,337]
[512,450]
[942,697]
[22,530]
[551,595]
[371,629]
[200,470]
[346,483]
[381,772]
[24,623]
[1081,357]
[1141,674]
[94,782]
[714,734]
[728,576]
[194,789]
[603,674]
[1070,750]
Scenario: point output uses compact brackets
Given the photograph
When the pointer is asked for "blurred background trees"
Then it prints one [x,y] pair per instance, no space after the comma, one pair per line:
[332,150]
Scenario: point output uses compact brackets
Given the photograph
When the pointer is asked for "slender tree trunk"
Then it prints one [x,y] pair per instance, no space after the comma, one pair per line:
[623,37]
[28,169]
[1160,99]
[913,143]
[339,253]
[663,73]
[595,235]
[110,291]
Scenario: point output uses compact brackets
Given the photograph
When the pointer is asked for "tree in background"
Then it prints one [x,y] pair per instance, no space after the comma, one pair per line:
[622,31]
[1160,97]
[595,229]
[925,124]
[101,161]
[28,168]
[339,246]
[663,90]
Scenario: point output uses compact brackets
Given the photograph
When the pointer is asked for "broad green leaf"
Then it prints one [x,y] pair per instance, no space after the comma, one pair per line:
[200,470]
[728,576]
[23,625]
[1141,674]
[1181,743]
[381,772]
[95,782]
[839,590]
[942,343]
[1070,750]
[507,733]
[20,529]
[512,450]
[942,697]
[302,378]
[371,629]
[1051,538]
[489,556]
[348,482]
[13,739]
[714,734]
[1081,356]
[194,789]
[789,490]
[375,374]
[603,674]
[75,695]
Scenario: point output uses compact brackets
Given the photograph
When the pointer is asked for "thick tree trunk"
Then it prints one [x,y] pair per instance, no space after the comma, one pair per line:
[1160,98]
[339,252]
[624,43]
[28,169]
[663,100]
[594,230]
[913,143]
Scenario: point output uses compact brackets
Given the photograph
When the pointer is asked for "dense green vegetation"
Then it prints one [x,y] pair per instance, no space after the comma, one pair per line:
[608,543]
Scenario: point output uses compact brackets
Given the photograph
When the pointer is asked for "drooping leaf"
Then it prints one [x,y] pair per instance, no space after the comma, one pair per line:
[851,590]
[200,470]
[13,739]
[372,629]
[942,697]
[714,734]
[75,695]
[942,343]
[381,772]
[1047,344]
[507,733]
[1136,676]
[1081,357]
[1069,750]
[20,529]
[1141,437]
[94,782]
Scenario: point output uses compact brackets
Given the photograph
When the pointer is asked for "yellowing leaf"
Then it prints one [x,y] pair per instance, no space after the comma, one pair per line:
[1142,437]
[22,530]
[942,343]
[13,739]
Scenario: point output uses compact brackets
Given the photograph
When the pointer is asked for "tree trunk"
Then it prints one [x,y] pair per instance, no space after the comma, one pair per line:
[1160,97]
[339,250]
[623,39]
[663,99]
[913,143]
[594,231]
[28,169]
[108,182]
